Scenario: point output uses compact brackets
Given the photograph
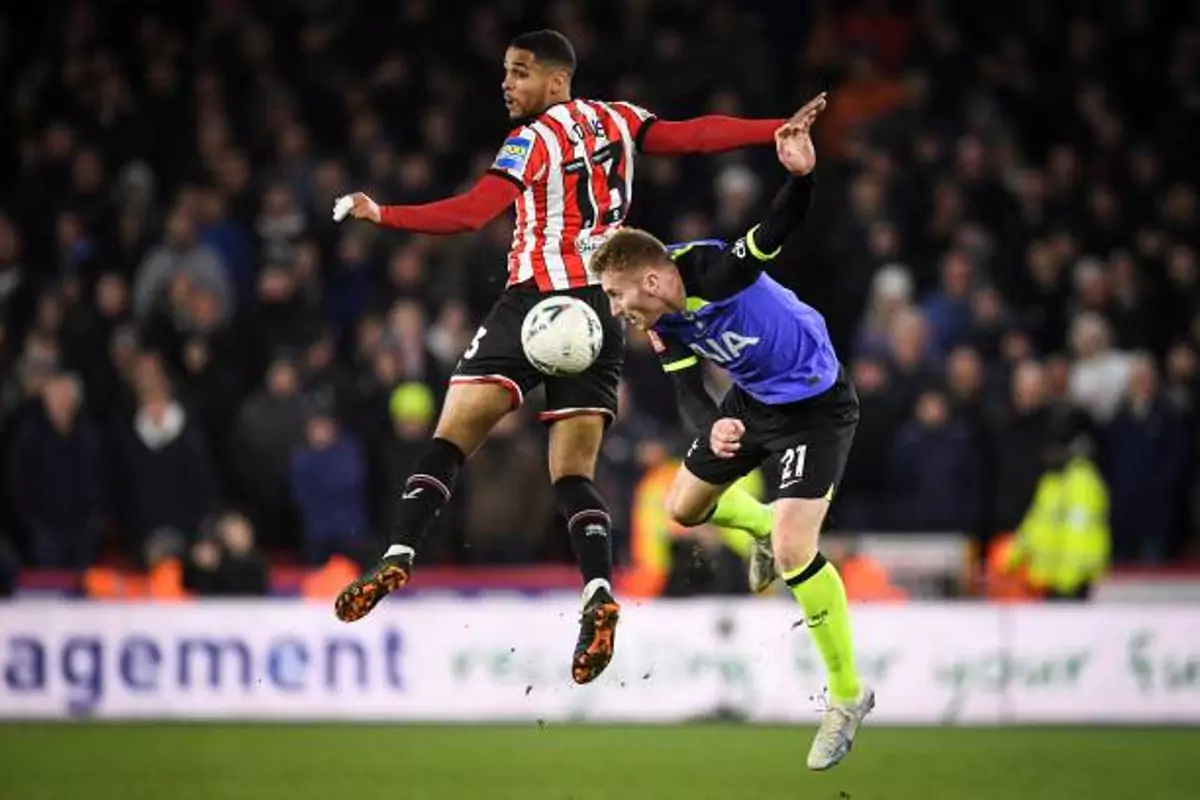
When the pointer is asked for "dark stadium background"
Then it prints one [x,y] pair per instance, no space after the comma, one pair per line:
[1010,134]
[991,175]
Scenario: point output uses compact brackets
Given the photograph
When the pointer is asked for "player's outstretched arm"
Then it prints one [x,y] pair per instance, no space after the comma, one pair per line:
[789,209]
[714,133]
[469,211]
[742,264]
[709,134]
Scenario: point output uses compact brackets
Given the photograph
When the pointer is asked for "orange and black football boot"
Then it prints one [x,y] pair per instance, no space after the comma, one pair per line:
[597,631]
[364,593]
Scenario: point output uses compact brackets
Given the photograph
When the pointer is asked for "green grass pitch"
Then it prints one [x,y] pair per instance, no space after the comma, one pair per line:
[697,762]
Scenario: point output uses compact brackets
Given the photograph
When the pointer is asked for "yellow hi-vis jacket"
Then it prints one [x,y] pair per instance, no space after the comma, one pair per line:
[1064,538]
[653,529]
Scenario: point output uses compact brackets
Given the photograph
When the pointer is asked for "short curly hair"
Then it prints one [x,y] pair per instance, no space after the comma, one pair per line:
[549,47]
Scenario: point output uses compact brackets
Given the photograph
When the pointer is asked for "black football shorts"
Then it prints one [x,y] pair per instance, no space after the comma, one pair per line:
[495,355]
[807,442]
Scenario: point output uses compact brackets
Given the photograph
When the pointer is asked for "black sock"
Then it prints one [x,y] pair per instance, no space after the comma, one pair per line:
[420,498]
[588,523]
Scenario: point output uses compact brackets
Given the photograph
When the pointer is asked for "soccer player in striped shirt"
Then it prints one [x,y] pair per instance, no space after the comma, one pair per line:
[568,166]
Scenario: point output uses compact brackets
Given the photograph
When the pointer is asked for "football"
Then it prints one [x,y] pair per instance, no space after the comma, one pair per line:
[562,335]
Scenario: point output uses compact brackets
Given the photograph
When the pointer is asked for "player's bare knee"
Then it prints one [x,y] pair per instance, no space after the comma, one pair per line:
[684,513]
[470,412]
[796,534]
[688,507]
[563,466]
[452,430]
[575,445]
[690,500]
[792,553]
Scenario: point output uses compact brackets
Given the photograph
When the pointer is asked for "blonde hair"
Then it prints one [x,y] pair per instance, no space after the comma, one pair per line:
[627,249]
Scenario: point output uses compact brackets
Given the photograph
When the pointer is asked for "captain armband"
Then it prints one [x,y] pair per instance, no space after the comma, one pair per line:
[754,249]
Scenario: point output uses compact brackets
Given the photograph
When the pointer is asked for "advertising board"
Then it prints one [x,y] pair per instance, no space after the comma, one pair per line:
[508,660]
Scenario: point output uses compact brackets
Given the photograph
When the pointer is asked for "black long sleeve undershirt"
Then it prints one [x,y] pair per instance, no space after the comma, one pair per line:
[696,405]
[740,265]
[787,214]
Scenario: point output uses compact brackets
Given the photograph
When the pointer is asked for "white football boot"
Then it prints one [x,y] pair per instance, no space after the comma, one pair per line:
[835,735]
[762,565]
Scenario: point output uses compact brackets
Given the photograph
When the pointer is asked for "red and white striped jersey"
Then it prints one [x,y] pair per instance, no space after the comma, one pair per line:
[574,163]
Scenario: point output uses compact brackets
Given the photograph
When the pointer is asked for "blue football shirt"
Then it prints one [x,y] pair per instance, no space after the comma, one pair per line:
[773,345]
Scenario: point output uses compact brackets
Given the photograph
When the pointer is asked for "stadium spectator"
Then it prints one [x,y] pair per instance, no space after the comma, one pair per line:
[329,383]
[1045,295]
[865,95]
[969,406]
[210,382]
[935,473]
[863,500]
[504,525]
[1064,540]
[226,562]
[410,411]
[286,318]
[329,488]
[1146,452]
[166,478]
[270,424]
[351,279]
[164,555]
[1100,374]
[93,322]
[948,310]
[56,478]
[913,367]
[891,293]
[230,241]
[181,260]
[1183,391]
[448,337]
[990,321]
[1022,424]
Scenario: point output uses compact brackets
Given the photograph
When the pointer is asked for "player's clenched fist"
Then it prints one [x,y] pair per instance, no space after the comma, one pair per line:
[726,437]
[356,205]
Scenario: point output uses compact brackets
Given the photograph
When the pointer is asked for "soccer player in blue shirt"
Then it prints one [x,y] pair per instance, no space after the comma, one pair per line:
[791,403]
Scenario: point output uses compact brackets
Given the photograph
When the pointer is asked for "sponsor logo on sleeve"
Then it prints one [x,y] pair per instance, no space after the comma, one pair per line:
[514,153]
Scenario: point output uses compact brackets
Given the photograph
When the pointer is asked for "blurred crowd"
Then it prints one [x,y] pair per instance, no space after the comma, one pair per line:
[196,359]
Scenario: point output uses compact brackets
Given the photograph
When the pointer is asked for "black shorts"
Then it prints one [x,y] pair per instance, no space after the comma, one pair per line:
[495,355]
[806,442]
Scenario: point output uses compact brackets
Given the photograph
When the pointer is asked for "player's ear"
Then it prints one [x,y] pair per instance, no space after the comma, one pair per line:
[651,281]
[560,81]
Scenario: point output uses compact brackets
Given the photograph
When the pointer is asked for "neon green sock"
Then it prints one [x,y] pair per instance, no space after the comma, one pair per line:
[819,590]
[737,508]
